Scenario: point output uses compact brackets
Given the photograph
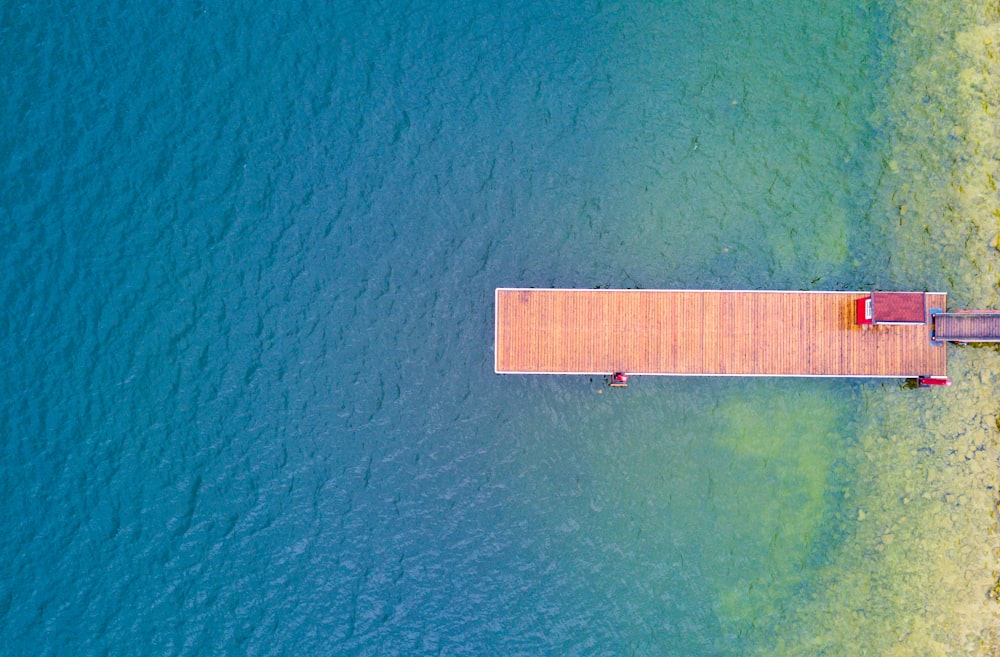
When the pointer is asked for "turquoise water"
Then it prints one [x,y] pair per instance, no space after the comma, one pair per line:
[248,403]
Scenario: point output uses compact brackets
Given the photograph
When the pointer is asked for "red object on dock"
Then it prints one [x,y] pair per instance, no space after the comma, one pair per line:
[899,308]
[864,308]
[891,308]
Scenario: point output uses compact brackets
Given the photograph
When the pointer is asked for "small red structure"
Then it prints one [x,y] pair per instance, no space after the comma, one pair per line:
[619,380]
[888,308]
[864,309]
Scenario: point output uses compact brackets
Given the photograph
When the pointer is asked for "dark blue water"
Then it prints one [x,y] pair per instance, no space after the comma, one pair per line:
[250,250]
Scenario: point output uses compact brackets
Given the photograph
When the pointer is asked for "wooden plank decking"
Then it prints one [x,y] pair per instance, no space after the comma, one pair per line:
[969,326]
[694,332]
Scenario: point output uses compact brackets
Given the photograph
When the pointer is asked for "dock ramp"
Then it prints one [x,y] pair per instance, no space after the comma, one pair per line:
[967,326]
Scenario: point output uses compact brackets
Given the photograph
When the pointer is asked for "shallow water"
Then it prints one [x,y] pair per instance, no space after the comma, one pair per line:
[249,402]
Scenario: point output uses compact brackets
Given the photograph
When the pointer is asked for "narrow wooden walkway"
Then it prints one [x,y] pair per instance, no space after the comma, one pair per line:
[968,326]
[691,332]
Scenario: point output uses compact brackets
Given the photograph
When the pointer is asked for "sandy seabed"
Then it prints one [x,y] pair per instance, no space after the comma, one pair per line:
[919,572]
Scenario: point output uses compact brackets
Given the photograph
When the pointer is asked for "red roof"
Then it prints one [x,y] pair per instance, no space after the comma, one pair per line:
[899,308]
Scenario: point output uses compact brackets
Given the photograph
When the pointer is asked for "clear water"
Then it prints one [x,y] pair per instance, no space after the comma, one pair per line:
[248,403]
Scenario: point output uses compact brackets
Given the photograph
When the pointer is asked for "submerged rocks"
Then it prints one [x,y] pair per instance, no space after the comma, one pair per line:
[994,593]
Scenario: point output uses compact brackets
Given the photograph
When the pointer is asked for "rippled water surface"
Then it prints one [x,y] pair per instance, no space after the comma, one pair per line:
[248,403]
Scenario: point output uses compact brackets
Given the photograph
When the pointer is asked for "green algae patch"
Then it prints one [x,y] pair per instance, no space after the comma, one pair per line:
[703,505]
[914,574]
[775,499]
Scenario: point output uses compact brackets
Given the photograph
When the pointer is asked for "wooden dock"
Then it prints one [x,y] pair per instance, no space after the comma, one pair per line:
[699,332]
